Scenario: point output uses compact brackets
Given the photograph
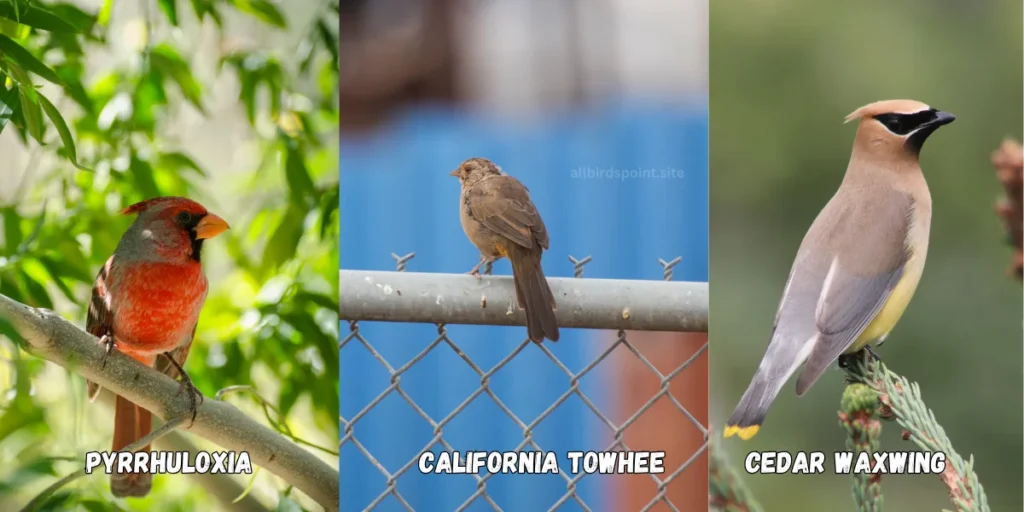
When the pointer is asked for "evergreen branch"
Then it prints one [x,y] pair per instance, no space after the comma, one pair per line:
[857,415]
[727,492]
[900,400]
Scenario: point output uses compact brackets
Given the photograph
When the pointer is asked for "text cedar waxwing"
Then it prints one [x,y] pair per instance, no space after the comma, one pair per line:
[860,262]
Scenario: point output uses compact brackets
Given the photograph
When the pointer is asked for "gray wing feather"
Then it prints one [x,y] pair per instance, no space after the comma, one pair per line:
[851,311]
[858,289]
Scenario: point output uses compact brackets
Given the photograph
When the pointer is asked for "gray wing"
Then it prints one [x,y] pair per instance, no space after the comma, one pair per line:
[870,262]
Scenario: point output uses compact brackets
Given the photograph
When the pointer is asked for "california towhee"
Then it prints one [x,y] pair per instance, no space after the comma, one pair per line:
[501,221]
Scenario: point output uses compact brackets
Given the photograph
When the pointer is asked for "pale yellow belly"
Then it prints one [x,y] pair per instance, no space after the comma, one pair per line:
[894,307]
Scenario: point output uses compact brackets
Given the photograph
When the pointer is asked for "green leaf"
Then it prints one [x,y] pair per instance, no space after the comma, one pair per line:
[262,10]
[170,64]
[56,275]
[289,396]
[12,229]
[98,506]
[203,8]
[17,75]
[62,129]
[328,207]
[69,262]
[37,292]
[70,75]
[15,419]
[248,94]
[329,40]
[7,106]
[31,112]
[272,75]
[282,243]
[149,94]
[142,175]
[19,123]
[38,228]
[103,17]
[10,288]
[300,185]
[36,16]
[13,52]
[81,20]
[170,9]
[177,161]
[315,298]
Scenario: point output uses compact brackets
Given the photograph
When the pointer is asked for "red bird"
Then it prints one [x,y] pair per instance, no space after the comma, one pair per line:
[146,303]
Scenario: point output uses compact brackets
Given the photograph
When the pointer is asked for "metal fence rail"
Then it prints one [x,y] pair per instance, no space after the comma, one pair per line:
[582,303]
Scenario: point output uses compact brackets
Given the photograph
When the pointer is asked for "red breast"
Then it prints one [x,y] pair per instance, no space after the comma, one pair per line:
[155,287]
[157,306]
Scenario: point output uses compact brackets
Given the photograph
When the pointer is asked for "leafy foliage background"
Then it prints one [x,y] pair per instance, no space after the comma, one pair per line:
[230,102]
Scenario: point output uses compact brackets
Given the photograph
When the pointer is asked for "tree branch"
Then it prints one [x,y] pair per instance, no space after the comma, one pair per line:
[51,337]
[899,399]
[857,415]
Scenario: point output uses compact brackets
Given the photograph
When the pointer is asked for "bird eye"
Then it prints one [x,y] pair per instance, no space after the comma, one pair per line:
[898,124]
[184,217]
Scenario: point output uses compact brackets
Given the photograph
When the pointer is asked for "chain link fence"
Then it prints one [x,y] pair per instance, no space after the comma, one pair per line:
[444,299]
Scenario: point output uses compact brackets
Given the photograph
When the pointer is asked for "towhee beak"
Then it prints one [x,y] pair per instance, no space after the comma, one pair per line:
[210,226]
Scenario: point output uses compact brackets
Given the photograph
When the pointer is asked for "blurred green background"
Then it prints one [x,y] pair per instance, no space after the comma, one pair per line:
[232,103]
[783,76]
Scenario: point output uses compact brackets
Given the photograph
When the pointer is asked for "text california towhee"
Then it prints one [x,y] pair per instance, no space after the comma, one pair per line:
[501,221]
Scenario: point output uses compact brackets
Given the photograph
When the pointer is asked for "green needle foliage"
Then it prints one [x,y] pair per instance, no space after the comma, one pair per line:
[101,133]
[872,393]
[900,400]
[857,415]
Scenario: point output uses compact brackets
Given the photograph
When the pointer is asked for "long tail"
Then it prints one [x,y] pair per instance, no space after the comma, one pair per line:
[749,414]
[783,357]
[534,295]
[131,423]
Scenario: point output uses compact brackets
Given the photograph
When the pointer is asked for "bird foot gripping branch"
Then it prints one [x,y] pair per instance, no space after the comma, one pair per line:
[109,345]
[195,397]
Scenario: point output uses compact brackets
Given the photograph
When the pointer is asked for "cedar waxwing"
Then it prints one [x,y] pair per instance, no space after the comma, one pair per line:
[860,262]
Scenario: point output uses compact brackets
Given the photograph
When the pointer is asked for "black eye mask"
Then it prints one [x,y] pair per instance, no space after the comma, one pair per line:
[918,125]
[902,124]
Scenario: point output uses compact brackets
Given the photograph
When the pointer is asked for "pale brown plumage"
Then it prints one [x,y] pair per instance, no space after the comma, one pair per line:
[501,221]
[860,261]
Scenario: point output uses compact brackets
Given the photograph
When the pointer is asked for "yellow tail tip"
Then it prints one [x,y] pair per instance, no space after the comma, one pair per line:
[745,433]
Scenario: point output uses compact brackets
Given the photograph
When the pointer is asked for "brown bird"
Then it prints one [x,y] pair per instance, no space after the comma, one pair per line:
[502,222]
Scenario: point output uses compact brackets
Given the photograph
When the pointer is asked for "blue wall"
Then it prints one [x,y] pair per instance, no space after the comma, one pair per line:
[396,196]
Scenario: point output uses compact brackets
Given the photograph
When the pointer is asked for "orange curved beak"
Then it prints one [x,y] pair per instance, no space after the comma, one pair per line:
[210,226]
